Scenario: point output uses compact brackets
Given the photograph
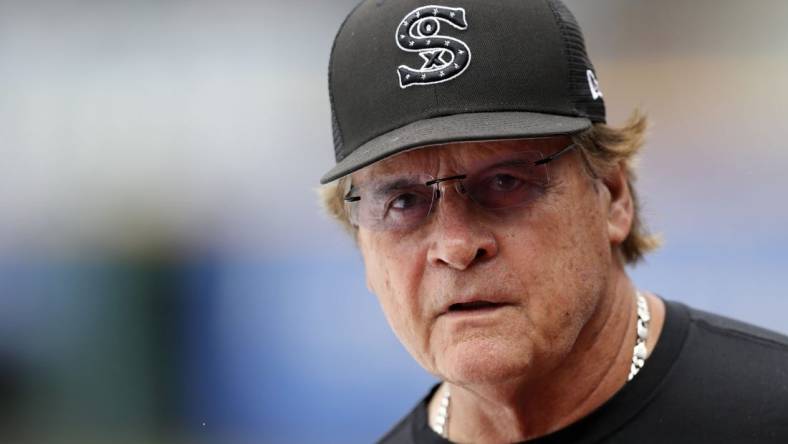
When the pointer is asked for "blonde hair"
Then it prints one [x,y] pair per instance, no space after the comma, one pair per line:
[602,146]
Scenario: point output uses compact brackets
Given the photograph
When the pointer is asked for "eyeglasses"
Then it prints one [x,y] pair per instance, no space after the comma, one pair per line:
[402,202]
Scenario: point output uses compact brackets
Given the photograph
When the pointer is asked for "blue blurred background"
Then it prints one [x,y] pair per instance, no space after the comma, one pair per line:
[166,275]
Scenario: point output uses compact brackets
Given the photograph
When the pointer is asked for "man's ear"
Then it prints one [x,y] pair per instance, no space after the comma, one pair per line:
[621,210]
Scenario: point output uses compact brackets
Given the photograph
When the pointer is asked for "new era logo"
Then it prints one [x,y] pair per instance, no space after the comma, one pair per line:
[593,85]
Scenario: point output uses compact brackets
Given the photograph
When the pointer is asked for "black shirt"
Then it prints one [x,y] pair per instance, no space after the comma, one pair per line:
[709,379]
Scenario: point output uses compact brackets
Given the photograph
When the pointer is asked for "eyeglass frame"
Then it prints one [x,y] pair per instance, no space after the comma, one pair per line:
[544,161]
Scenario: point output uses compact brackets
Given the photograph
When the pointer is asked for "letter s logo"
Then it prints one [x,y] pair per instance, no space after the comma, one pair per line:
[444,57]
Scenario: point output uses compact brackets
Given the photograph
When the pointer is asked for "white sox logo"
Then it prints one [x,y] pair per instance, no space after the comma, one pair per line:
[444,57]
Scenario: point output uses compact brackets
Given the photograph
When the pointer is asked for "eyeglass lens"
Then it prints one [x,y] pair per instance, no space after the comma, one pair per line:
[403,202]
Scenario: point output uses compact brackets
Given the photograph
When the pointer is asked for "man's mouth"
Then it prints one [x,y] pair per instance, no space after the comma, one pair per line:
[474,306]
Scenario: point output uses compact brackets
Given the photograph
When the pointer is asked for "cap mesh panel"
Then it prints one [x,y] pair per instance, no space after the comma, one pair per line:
[577,63]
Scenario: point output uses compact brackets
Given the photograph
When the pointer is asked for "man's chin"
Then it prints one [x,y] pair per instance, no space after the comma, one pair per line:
[485,361]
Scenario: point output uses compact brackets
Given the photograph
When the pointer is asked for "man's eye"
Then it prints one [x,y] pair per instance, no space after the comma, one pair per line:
[504,182]
[406,201]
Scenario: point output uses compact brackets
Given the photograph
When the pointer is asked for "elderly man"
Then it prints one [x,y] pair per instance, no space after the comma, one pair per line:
[495,212]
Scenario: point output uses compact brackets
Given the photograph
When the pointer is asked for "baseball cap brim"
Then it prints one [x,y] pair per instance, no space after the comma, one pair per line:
[456,128]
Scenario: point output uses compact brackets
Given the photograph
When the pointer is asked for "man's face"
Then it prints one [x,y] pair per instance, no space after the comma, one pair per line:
[481,295]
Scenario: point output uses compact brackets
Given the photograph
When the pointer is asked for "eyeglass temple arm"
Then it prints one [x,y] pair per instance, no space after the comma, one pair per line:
[349,197]
[446,179]
[556,155]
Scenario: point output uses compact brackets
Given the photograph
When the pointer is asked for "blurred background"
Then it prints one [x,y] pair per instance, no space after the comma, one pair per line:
[166,275]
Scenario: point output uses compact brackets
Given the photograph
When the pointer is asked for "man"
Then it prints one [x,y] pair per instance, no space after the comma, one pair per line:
[495,212]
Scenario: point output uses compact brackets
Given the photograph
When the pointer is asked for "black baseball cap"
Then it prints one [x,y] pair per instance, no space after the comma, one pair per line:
[405,74]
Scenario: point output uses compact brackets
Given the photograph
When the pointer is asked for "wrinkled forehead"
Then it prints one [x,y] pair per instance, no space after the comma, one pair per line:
[438,160]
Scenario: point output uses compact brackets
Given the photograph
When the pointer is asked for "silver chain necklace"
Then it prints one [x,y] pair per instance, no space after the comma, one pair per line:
[441,423]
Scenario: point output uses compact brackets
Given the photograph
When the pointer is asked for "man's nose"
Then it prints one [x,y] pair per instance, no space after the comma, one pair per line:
[459,239]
